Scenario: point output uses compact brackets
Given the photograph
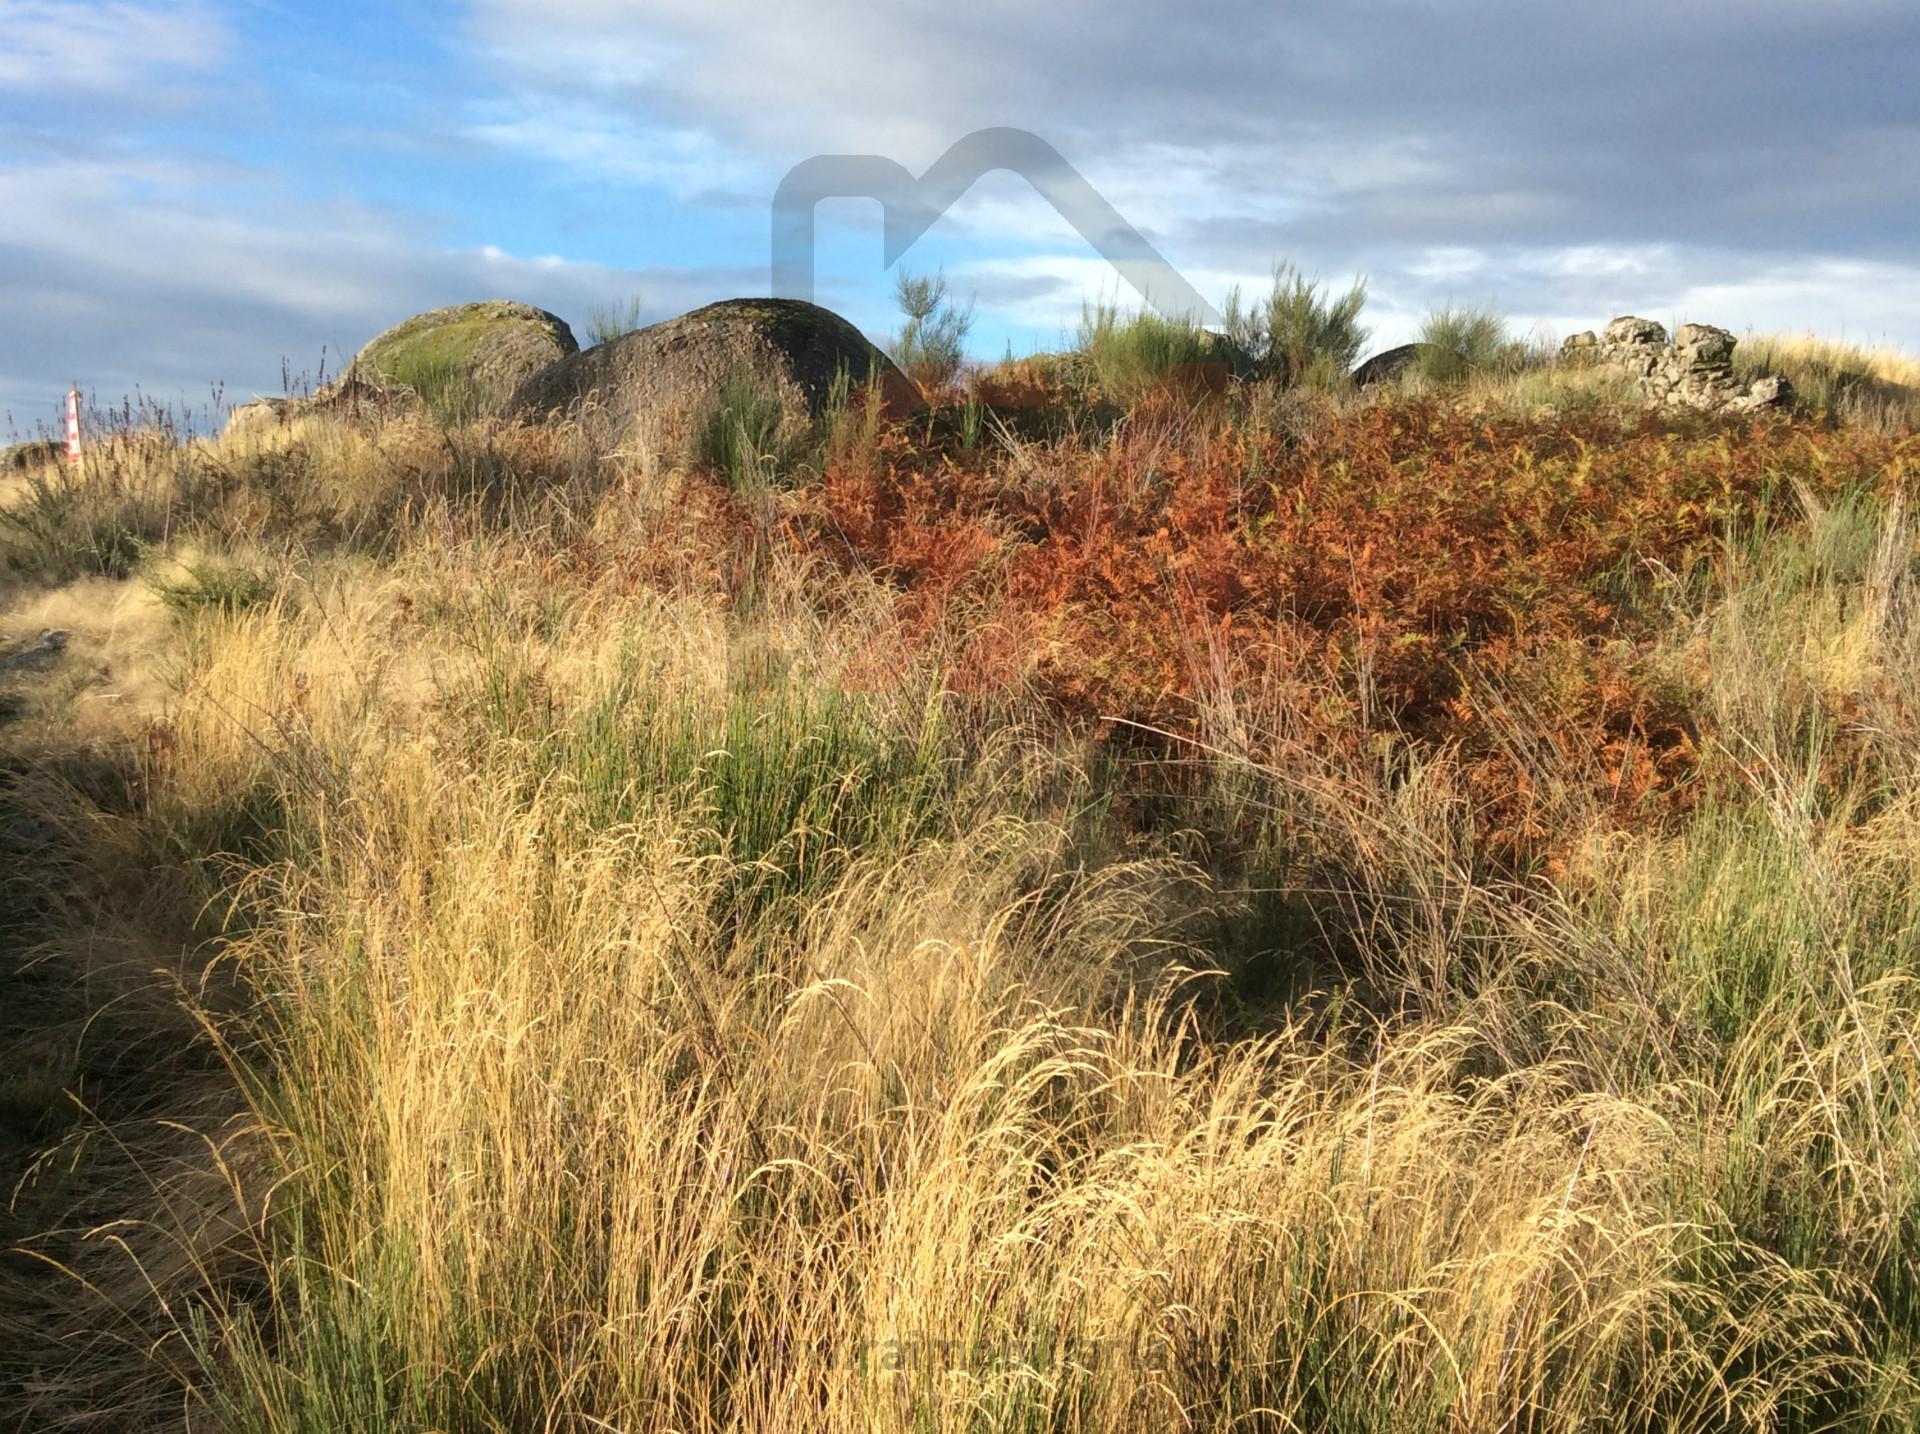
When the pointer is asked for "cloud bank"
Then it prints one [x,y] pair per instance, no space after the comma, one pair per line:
[190,192]
[1556,160]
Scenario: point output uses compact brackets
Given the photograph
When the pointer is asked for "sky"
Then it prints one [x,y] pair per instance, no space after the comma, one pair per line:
[208,197]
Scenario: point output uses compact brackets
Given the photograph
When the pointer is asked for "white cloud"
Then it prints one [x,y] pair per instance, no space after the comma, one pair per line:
[1448,263]
[77,46]
[128,278]
[1591,261]
[1865,302]
[605,144]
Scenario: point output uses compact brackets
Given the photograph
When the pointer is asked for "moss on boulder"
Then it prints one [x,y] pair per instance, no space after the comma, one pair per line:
[467,360]
[673,372]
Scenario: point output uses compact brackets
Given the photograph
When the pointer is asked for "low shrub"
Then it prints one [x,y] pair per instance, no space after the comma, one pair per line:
[1300,334]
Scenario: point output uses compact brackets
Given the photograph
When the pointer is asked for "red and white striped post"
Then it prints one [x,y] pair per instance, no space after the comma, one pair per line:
[73,425]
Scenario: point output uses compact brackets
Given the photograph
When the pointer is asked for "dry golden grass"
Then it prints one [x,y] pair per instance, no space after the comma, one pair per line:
[627,1019]
[1871,387]
[1884,362]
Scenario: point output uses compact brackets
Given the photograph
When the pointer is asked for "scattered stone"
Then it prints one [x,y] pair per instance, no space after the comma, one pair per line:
[258,415]
[1635,332]
[35,656]
[22,457]
[674,371]
[26,834]
[1693,371]
[1773,391]
[351,400]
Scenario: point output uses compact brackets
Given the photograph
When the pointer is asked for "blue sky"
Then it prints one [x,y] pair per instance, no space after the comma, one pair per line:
[200,192]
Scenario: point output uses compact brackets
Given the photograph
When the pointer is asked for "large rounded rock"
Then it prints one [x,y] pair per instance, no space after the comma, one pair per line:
[1390,364]
[257,416]
[467,360]
[675,371]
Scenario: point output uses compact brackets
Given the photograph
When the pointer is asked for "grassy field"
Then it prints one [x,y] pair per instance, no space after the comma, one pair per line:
[1101,906]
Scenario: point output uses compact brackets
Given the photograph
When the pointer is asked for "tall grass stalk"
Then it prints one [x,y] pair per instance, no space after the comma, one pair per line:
[610,321]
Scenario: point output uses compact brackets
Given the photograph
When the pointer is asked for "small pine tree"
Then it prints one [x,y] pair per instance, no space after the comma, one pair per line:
[932,343]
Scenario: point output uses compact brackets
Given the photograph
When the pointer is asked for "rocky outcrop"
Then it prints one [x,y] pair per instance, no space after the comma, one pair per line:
[1693,371]
[36,655]
[674,371]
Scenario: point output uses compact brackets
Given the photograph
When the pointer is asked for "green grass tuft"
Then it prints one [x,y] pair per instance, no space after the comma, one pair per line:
[1132,355]
[1462,342]
[227,589]
[612,321]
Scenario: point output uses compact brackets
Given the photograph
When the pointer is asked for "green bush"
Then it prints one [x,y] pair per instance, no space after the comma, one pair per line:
[1299,333]
[790,780]
[448,388]
[748,438]
[206,586]
[64,527]
[740,438]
